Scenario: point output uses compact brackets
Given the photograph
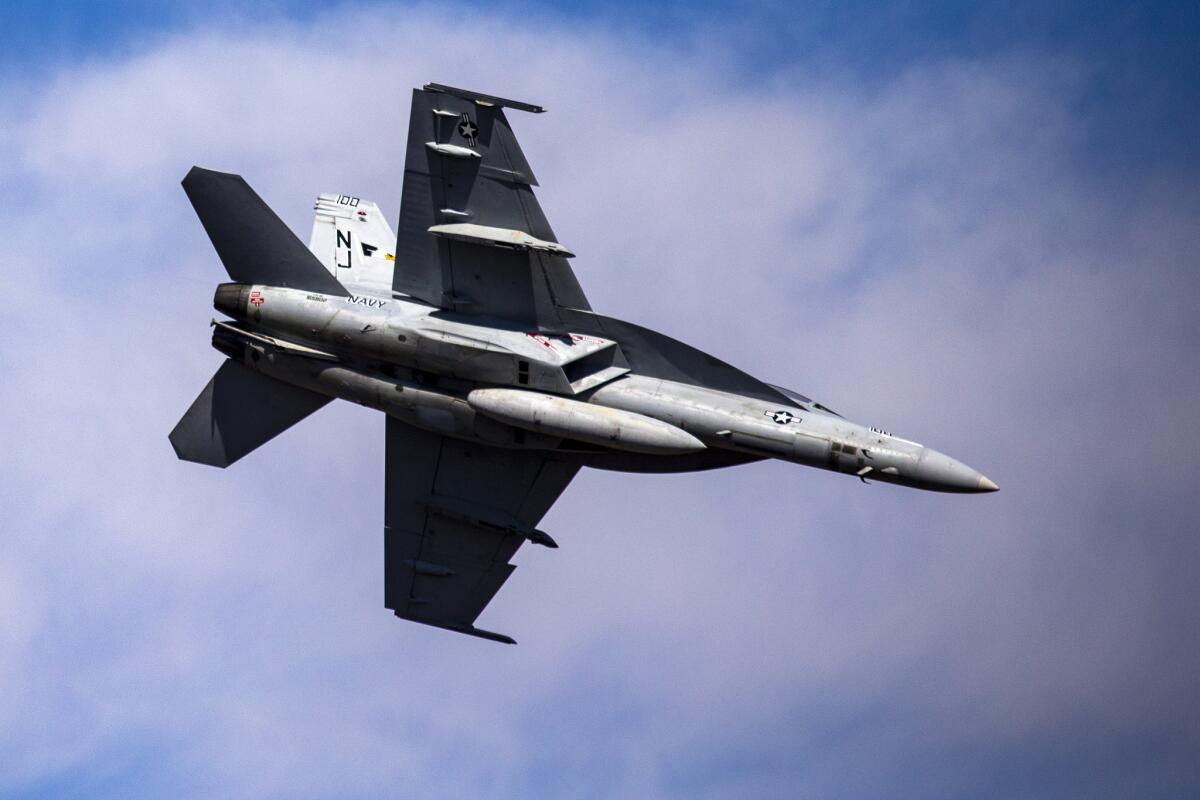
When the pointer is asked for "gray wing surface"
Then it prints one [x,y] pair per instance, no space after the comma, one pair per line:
[464,167]
[454,514]
[238,411]
[252,242]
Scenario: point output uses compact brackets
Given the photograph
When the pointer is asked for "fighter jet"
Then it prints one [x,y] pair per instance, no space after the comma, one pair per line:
[499,382]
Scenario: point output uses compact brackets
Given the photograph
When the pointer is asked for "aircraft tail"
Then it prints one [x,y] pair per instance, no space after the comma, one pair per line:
[238,411]
[354,241]
[253,243]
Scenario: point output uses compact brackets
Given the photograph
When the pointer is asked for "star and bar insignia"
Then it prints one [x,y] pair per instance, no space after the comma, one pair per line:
[467,129]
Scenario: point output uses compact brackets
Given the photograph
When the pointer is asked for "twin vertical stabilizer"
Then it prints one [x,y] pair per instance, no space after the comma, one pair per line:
[351,237]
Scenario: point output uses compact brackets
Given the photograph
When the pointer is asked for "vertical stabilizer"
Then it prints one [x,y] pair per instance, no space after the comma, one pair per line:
[353,240]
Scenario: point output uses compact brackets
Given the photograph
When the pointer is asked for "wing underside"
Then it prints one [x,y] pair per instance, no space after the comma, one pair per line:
[455,513]
[472,237]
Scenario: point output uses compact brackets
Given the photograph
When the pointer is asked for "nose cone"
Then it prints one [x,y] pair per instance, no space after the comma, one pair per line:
[941,473]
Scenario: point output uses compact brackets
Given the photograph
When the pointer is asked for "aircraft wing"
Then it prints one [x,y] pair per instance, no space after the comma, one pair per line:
[472,237]
[454,514]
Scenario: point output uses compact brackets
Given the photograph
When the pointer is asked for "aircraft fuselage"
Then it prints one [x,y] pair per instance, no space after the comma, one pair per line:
[502,384]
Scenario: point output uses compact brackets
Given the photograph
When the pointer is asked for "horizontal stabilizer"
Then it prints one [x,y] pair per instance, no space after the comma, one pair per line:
[252,242]
[239,410]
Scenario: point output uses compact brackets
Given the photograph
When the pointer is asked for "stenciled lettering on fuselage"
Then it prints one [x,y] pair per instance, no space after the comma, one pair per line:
[369,302]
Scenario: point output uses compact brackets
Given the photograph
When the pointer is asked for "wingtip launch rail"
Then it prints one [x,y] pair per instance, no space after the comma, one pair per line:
[484,99]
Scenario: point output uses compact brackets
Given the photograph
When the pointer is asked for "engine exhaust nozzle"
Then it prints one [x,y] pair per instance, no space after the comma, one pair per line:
[232,299]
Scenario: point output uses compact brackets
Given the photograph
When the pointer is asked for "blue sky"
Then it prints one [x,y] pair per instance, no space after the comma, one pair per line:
[1141,103]
[970,224]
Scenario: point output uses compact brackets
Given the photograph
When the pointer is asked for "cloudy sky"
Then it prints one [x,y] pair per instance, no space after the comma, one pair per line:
[976,228]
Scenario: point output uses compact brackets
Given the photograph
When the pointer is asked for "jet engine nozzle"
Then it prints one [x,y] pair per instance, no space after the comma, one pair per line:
[232,299]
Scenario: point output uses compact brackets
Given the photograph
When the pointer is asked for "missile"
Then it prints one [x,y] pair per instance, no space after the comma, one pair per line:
[573,419]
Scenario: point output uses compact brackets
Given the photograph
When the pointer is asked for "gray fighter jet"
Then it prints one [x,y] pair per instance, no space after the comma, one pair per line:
[499,382]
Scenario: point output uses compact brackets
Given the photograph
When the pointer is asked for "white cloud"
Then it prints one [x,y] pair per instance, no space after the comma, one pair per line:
[929,254]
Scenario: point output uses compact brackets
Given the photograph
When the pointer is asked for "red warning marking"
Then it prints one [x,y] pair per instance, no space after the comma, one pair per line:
[256,298]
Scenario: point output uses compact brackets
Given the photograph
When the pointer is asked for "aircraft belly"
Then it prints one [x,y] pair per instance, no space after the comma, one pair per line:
[720,419]
[424,407]
[650,464]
